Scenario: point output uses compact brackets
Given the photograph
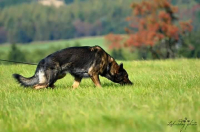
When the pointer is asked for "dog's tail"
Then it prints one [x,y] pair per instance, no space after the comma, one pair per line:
[27,82]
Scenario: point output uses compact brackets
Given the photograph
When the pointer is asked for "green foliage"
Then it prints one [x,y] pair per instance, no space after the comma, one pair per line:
[16,54]
[26,23]
[32,22]
[3,35]
[198,1]
[117,54]
[6,3]
[191,46]
[69,1]
[164,91]
[196,26]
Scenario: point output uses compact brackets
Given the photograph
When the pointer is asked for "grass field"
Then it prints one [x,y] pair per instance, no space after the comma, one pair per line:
[163,91]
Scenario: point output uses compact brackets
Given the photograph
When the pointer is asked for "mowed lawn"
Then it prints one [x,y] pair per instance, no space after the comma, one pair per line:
[163,91]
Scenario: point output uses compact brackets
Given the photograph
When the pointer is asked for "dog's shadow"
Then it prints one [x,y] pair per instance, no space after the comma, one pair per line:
[103,85]
[110,85]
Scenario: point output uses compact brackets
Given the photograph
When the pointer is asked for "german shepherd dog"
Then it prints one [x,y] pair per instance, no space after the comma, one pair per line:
[80,62]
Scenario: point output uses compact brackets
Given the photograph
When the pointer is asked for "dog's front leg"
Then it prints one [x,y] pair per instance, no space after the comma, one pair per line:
[95,79]
[76,83]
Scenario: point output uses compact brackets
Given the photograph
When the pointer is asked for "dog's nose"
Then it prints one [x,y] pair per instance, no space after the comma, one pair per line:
[129,82]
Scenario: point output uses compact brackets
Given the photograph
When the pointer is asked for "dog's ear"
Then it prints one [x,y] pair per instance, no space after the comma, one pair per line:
[121,66]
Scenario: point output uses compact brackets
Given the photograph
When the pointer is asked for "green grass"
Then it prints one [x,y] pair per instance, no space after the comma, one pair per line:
[163,91]
[87,41]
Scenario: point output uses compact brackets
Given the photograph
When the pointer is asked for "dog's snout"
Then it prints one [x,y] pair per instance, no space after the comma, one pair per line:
[129,82]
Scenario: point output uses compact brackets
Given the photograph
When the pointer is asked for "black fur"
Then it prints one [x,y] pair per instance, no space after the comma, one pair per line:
[26,82]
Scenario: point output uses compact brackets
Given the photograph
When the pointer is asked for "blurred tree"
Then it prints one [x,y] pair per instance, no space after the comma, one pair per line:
[33,22]
[30,22]
[156,28]
[3,35]
[5,3]
[191,45]
[115,41]
[69,1]
[117,54]
[198,1]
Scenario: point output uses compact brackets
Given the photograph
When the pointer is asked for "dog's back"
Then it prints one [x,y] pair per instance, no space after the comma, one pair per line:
[79,57]
[76,60]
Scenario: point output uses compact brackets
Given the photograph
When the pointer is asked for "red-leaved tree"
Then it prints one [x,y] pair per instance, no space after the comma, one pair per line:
[153,27]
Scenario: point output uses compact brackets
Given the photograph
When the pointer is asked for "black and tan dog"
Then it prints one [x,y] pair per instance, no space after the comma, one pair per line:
[80,62]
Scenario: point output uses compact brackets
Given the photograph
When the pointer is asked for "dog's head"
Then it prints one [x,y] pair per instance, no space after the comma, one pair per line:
[117,74]
[121,76]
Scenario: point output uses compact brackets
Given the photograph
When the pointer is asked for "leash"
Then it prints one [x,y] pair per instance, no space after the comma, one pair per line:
[18,62]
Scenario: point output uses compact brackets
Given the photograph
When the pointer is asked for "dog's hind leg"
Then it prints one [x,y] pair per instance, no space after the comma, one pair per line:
[48,83]
[95,79]
[77,81]
[60,76]
[42,80]
[52,76]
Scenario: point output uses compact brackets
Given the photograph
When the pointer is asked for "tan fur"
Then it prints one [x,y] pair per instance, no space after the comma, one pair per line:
[97,69]
[91,70]
[40,86]
[96,81]
[76,83]
[114,66]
